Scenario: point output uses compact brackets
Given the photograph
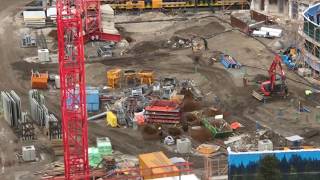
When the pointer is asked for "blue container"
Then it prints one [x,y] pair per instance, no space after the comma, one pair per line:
[229,62]
[92,98]
[93,101]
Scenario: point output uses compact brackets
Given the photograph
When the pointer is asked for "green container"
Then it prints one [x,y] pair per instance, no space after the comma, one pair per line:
[104,146]
[216,133]
[94,156]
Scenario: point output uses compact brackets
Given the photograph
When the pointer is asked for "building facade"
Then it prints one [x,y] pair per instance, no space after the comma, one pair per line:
[311,35]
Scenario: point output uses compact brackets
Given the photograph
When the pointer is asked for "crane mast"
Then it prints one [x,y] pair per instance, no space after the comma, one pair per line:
[73,96]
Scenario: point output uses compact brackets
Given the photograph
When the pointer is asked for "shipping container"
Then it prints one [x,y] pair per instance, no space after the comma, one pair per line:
[93,101]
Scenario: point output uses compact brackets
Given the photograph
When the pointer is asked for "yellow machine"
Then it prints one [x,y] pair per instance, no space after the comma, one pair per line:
[113,77]
[167,4]
[146,77]
[130,76]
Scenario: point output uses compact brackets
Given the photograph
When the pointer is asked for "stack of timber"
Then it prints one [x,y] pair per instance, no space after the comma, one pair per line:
[57,146]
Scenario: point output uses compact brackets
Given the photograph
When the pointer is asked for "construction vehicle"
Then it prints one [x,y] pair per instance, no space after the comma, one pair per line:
[276,85]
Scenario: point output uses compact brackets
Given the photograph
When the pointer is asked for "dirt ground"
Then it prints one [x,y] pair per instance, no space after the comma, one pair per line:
[147,52]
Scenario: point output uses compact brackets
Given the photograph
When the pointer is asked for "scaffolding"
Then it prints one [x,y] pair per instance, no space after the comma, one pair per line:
[215,166]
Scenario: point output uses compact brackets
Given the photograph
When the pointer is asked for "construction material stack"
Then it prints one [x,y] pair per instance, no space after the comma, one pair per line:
[26,129]
[163,111]
[156,165]
[11,104]
[39,111]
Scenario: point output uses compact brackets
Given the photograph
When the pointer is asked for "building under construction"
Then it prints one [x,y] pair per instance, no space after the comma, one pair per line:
[159,89]
[175,4]
[311,35]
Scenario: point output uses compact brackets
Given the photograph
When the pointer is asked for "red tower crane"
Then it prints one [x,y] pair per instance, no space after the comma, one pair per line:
[73,97]
[72,78]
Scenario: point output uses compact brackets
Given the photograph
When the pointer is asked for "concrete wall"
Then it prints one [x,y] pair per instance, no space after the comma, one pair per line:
[235,22]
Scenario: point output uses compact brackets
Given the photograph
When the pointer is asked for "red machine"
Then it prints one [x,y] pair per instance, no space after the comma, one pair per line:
[93,25]
[72,78]
[276,85]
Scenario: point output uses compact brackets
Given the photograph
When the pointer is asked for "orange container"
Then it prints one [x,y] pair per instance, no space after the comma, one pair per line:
[156,4]
[156,165]
[39,80]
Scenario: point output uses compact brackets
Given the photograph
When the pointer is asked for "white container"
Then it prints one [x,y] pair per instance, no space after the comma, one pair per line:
[28,153]
[259,33]
[57,81]
[272,31]
[217,117]
[184,145]
[265,145]
[43,55]
[111,31]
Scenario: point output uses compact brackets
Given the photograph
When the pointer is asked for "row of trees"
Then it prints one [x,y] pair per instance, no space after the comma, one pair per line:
[271,168]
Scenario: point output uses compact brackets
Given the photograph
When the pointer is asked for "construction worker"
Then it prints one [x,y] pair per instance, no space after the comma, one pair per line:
[205,42]
[308,92]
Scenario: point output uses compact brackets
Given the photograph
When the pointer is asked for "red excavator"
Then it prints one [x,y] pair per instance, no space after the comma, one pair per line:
[276,85]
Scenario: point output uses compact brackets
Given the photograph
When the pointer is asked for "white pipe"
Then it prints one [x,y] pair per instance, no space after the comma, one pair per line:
[97,116]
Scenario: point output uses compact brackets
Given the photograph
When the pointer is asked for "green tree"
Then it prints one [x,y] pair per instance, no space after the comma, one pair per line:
[293,174]
[269,168]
